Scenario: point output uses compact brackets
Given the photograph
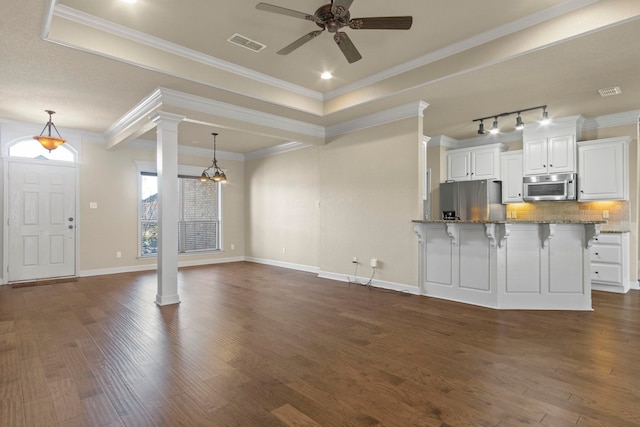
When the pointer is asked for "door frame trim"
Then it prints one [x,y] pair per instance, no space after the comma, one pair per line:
[5,237]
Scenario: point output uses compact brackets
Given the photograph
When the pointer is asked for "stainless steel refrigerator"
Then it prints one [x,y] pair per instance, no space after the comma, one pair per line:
[472,200]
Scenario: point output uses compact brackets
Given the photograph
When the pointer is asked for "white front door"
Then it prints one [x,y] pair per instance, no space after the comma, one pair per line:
[42,221]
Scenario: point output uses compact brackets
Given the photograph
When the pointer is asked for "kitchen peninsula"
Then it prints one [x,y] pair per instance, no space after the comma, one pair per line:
[540,265]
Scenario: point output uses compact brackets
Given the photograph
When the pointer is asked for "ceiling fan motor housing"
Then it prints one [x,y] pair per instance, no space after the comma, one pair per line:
[324,18]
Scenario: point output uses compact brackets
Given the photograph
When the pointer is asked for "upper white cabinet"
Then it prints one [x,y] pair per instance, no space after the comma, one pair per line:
[465,164]
[603,169]
[551,149]
[511,168]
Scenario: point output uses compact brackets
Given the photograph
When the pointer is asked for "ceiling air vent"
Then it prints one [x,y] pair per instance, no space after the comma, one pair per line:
[246,42]
[610,91]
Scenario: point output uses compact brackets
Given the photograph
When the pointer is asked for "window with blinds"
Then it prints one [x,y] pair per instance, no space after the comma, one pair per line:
[198,225]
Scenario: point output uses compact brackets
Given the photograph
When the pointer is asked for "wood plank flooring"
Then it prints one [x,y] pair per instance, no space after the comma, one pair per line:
[254,345]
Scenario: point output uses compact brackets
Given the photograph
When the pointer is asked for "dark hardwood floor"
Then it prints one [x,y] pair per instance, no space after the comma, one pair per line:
[253,345]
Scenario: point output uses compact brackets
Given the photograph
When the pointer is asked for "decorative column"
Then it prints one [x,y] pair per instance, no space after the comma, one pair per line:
[167,165]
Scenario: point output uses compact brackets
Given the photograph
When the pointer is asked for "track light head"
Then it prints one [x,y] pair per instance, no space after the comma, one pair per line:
[494,128]
[519,122]
[481,130]
[545,117]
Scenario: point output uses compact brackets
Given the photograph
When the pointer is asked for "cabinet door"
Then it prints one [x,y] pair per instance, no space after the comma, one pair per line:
[485,164]
[511,178]
[602,170]
[561,154]
[535,157]
[458,166]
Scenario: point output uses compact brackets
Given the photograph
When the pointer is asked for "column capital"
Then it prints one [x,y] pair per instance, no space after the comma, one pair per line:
[160,117]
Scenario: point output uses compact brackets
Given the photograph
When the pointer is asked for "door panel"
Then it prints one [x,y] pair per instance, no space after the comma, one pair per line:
[42,234]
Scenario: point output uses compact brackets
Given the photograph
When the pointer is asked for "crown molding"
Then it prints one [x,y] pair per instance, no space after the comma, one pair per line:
[273,151]
[413,109]
[461,46]
[143,109]
[77,16]
[612,120]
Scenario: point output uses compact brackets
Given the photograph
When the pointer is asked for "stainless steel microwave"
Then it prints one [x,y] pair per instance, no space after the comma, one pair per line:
[550,187]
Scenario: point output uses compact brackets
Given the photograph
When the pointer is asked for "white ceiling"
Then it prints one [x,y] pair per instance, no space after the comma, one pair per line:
[92,62]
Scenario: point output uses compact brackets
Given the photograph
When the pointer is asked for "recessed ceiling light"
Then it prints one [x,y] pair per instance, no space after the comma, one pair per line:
[326,75]
[129,1]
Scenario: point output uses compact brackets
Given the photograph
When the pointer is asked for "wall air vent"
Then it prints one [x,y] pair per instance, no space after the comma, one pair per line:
[246,42]
[610,91]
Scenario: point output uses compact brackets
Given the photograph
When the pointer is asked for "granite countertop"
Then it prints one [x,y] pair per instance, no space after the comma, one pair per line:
[508,221]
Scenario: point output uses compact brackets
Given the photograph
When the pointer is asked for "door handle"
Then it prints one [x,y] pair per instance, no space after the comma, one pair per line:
[70,219]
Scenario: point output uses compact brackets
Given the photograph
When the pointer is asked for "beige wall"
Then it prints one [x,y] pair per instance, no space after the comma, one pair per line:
[370,193]
[109,178]
[282,205]
[367,187]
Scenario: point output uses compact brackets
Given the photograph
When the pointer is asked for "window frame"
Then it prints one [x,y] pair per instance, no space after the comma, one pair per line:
[184,171]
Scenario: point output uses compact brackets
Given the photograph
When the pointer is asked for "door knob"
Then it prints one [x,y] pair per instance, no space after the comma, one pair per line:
[70,227]
[70,219]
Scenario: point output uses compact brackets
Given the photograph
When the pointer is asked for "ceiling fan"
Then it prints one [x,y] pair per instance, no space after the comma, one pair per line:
[334,16]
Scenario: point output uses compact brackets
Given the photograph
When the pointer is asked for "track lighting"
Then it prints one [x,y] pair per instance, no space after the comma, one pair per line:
[519,122]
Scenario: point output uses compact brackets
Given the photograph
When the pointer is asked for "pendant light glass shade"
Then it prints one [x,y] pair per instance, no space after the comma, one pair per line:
[48,141]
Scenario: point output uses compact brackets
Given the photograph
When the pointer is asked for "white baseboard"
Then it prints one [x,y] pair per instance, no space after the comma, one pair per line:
[635,285]
[400,287]
[289,265]
[148,267]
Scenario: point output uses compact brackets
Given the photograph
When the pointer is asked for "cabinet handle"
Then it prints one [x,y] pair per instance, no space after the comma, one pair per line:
[519,194]
[544,166]
[582,191]
[550,166]
[597,272]
[597,253]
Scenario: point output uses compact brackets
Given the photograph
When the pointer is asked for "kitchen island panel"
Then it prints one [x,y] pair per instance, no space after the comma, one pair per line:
[539,266]
[523,260]
[475,256]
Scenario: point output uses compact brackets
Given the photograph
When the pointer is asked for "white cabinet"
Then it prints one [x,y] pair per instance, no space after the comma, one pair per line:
[551,149]
[511,168]
[610,262]
[464,164]
[556,154]
[603,169]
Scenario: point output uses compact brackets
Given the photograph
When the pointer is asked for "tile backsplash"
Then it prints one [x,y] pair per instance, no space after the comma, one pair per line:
[580,211]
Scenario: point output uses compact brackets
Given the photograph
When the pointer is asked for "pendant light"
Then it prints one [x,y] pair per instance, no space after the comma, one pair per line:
[48,141]
[218,174]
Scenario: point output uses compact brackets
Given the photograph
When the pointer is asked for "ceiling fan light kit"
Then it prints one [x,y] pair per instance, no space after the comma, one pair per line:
[334,16]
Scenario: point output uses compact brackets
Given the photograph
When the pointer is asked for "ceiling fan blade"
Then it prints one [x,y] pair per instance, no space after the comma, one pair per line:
[284,11]
[339,8]
[382,23]
[347,47]
[296,44]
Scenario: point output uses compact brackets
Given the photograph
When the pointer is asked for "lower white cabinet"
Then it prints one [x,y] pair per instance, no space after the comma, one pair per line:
[603,171]
[610,262]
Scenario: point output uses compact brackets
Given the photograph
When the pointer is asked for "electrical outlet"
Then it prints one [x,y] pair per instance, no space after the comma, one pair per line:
[374,262]
[355,260]
[284,250]
[514,215]
[233,246]
[605,214]
[118,254]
